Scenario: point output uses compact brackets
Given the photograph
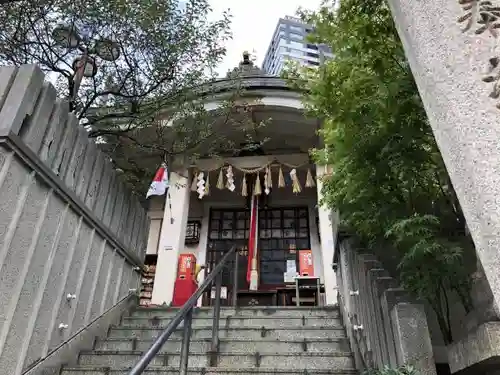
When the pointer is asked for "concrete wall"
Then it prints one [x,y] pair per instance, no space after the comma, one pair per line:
[384,325]
[453,50]
[67,224]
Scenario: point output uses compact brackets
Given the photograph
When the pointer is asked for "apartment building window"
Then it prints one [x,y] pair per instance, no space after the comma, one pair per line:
[311,54]
[296,29]
[296,44]
[312,46]
[283,41]
[296,52]
[315,63]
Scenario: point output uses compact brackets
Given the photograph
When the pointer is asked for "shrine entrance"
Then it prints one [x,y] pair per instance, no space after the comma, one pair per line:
[282,232]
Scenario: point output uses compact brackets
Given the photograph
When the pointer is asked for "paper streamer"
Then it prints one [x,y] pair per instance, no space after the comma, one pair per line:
[296,188]
[194,184]
[257,190]
[207,184]
[244,189]
[269,178]
[200,185]
[220,181]
[281,179]
[309,179]
[267,189]
[230,179]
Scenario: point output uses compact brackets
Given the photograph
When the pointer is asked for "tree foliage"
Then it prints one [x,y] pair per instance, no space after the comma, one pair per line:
[162,48]
[404,370]
[149,104]
[389,181]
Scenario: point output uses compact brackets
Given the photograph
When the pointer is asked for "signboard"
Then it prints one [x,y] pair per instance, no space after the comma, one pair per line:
[223,293]
[186,266]
[291,271]
[306,265]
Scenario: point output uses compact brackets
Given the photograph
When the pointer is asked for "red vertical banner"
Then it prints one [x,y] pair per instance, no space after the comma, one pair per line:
[306,265]
[253,236]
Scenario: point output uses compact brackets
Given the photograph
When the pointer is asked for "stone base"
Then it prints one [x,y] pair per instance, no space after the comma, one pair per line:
[478,353]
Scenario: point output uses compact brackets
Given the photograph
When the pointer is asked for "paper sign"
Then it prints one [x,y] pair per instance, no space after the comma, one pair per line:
[223,293]
[289,277]
[291,266]
[306,263]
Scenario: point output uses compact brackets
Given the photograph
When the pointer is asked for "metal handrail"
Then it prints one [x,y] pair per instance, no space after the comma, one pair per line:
[186,313]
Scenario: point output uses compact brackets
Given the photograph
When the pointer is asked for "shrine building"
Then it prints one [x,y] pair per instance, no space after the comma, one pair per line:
[263,201]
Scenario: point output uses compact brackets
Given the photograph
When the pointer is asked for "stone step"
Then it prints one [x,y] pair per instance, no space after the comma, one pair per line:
[236,321]
[308,361]
[298,333]
[91,370]
[244,312]
[234,346]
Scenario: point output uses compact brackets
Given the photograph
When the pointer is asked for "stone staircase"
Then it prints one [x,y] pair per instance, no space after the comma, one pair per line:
[252,341]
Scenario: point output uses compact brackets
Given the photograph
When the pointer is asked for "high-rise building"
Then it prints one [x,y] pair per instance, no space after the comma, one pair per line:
[289,42]
[181,5]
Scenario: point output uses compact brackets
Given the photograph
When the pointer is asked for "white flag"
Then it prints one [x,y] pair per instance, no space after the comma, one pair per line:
[160,182]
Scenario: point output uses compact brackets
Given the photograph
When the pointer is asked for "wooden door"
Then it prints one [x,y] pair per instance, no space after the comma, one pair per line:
[228,228]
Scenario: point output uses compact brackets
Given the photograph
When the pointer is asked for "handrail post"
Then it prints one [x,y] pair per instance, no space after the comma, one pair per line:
[235,280]
[186,338]
[216,317]
[214,276]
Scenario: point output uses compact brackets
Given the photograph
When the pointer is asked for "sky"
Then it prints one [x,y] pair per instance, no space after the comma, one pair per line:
[253,25]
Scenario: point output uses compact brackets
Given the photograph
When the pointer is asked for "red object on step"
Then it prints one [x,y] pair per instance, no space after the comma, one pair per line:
[186,267]
[183,290]
[185,284]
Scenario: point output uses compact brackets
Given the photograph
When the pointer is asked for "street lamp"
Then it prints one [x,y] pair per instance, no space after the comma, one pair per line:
[84,65]
[107,49]
[66,36]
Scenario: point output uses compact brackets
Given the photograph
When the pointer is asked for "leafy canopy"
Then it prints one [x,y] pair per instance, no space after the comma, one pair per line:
[389,181]
[162,48]
[404,370]
[149,104]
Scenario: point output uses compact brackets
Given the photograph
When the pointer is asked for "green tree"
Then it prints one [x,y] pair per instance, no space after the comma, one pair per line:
[389,182]
[404,370]
[161,47]
[147,105]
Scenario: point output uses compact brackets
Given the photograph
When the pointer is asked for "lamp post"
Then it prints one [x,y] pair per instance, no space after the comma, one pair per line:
[85,64]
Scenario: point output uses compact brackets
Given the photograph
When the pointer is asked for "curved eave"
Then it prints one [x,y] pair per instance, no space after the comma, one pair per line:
[247,83]
[253,85]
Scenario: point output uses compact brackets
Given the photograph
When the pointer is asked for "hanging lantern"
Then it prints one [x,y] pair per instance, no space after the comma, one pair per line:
[107,49]
[66,36]
[86,63]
